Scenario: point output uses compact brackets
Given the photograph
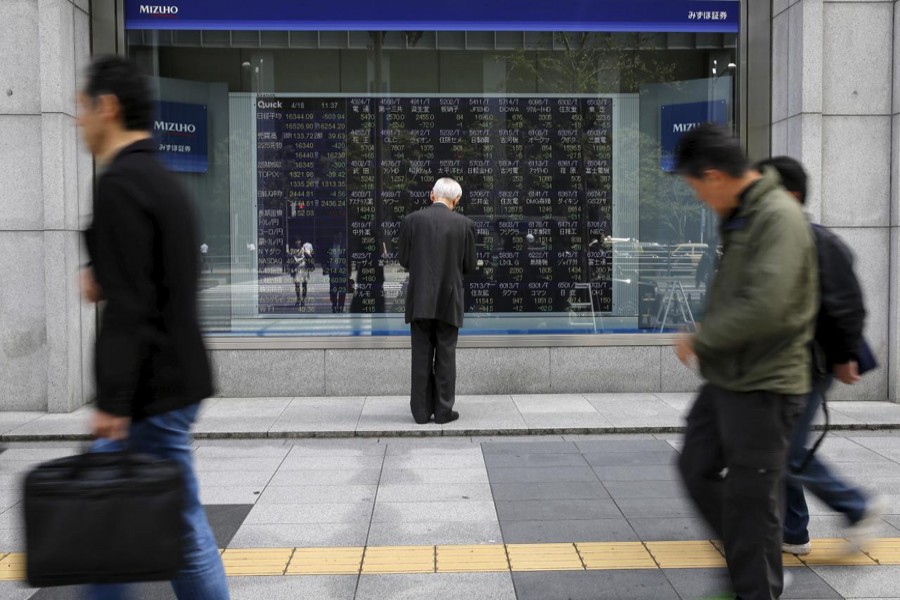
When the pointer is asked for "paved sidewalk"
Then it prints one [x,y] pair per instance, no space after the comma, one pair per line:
[272,501]
[382,416]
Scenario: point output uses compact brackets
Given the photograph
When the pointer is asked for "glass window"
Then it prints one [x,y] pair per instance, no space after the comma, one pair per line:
[305,149]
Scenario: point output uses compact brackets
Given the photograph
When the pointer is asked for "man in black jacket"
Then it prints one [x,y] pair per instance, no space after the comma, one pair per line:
[839,329]
[437,246]
[151,365]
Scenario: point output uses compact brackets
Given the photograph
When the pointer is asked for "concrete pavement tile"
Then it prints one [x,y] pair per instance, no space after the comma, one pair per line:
[465,511]
[318,494]
[71,424]
[320,414]
[835,449]
[10,420]
[656,507]
[389,413]
[451,446]
[340,463]
[335,447]
[446,586]
[253,449]
[230,495]
[234,479]
[621,490]
[540,474]
[506,439]
[487,417]
[529,446]
[293,514]
[662,529]
[861,582]
[630,459]
[12,540]
[552,404]
[648,473]
[534,460]
[893,521]
[262,465]
[424,460]
[157,590]
[15,590]
[608,437]
[245,415]
[435,532]
[434,492]
[551,510]
[698,583]
[594,585]
[560,531]
[831,526]
[302,535]
[320,477]
[872,413]
[629,446]
[407,476]
[567,421]
[577,490]
[225,520]
[33,455]
[317,587]
[678,401]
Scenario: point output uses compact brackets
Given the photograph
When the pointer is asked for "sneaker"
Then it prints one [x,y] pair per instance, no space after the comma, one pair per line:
[862,532]
[796,549]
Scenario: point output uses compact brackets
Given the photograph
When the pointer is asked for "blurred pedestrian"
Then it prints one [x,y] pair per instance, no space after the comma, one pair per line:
[752,350]
[151,363]
[438,247]
[838,339]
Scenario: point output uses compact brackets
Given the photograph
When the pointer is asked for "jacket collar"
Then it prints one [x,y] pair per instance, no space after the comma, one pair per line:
[749,197]
[146,145]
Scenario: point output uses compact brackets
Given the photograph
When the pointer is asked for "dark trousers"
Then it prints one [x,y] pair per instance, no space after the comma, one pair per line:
[747,434]
[433,389]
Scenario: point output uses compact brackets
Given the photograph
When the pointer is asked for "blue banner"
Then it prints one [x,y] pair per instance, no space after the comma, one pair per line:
[180,133]
[697,16]
[677,119]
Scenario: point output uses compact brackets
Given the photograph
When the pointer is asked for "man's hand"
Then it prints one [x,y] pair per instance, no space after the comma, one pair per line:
[847,373]
[684,350]
[90,289]
[110,426]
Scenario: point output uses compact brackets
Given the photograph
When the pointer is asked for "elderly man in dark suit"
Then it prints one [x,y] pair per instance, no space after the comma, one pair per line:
[437,246]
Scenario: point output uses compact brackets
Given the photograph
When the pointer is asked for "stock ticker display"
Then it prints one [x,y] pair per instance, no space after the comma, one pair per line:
[339,173]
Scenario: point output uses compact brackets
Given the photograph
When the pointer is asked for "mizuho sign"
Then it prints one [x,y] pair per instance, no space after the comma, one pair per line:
[151,9]
[174,127]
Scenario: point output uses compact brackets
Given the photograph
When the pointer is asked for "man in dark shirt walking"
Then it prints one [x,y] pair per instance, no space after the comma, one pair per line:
[437,246]
[151,365]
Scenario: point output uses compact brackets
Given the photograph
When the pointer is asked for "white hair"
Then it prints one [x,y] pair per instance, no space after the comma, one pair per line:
[447,188]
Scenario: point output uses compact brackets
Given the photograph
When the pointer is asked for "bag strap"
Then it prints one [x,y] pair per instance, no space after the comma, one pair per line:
[812,451]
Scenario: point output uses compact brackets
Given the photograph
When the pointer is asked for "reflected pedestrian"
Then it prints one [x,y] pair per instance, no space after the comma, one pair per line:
[752,350]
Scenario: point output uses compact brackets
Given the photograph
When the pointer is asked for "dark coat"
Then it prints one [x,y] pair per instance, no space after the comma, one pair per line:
[437,246]
[842,313]
[143,245]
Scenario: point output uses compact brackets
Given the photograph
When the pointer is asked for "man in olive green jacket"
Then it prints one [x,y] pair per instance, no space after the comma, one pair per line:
[753,352]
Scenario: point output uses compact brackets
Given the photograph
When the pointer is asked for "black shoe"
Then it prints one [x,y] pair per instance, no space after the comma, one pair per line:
[442,421]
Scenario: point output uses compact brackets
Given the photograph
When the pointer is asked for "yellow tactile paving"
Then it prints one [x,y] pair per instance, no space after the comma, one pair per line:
[835,552]
[256,561]
[497,557]
[472,559]
[326,561]
[12,567]
[686,555]
[544,557]
[885,551]
[621,555]
[399,559]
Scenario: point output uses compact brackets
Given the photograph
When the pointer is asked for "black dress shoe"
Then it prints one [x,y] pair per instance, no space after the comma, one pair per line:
[443,420]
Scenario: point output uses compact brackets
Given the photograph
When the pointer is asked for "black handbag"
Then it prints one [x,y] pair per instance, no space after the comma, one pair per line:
[107,517]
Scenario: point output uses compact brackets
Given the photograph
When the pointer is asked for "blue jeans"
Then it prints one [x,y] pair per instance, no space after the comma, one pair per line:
[815,477]
[169,436]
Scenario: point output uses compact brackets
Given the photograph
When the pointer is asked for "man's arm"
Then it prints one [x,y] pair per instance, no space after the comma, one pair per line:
[123,264]
[768,294]
[470,258]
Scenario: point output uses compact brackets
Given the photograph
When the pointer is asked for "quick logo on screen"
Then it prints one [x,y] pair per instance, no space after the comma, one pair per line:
[156,9]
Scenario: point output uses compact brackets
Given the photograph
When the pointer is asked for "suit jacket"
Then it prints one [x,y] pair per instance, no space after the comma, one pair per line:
[150,356]
[437,246]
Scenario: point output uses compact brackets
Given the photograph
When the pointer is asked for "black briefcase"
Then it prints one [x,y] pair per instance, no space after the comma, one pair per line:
[107,517]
